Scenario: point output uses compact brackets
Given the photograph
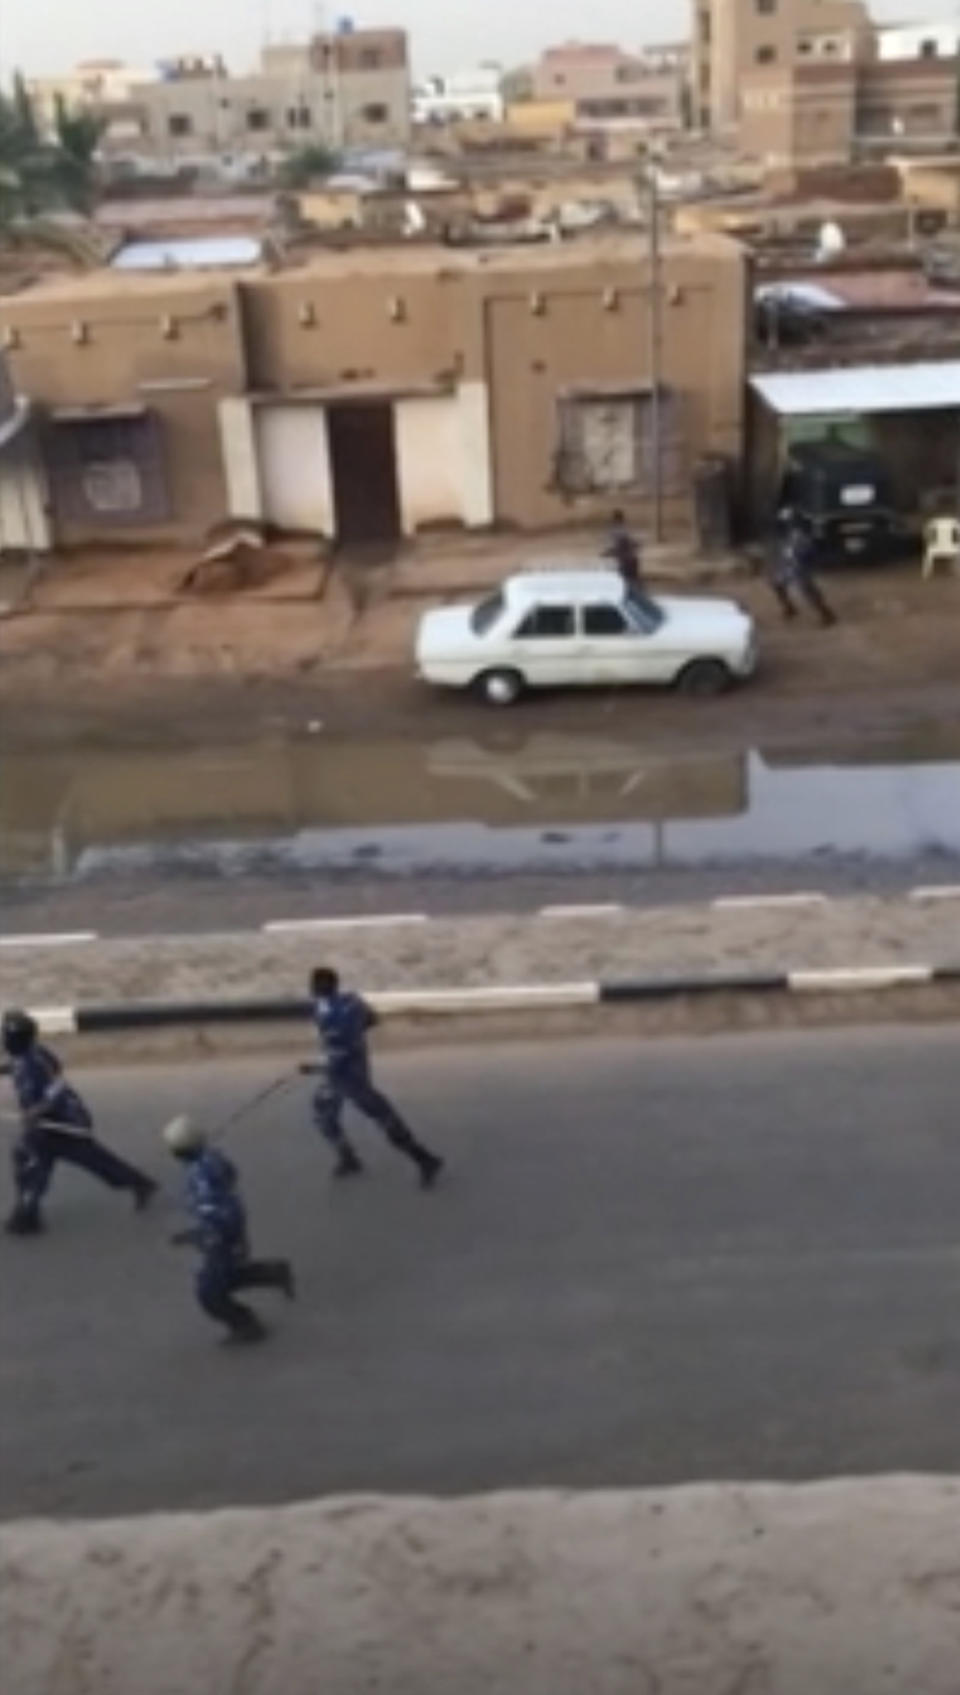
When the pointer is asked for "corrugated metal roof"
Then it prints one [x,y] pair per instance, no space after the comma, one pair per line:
[200,253]
[922,387]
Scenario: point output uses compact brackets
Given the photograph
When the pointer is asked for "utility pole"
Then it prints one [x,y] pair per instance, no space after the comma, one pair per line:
[655,348]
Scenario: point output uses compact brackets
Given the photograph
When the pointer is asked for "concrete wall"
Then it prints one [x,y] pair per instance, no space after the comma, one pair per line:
[847,1586]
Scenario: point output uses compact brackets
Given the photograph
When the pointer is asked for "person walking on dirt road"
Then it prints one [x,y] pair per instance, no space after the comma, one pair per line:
[791,569]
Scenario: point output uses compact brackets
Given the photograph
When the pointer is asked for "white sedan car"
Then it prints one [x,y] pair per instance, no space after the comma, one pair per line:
[545,629]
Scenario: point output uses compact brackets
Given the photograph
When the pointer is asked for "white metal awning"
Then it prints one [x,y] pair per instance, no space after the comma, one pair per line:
[923,387]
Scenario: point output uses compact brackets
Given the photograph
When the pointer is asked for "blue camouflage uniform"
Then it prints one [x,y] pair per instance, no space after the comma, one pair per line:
[57,1125]
[220,1232]
[342,1020]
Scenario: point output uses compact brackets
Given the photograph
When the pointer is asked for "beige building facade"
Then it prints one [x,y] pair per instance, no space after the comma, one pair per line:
[735,39]
[342,89]
[834,112]
[375,396]
[607,86]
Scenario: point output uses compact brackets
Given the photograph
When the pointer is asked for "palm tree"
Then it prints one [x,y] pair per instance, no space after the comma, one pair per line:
[77,139]
[37,174]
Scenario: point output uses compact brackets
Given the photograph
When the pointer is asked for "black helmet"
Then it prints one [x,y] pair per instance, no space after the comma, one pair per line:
[18,1032]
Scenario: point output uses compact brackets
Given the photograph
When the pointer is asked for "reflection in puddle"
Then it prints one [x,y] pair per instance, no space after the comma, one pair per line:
[512,802]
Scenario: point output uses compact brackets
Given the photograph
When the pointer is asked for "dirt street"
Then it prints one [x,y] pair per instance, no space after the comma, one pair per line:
[279,654]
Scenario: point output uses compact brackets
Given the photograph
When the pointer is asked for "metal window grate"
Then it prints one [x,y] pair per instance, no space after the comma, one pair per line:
[108,469]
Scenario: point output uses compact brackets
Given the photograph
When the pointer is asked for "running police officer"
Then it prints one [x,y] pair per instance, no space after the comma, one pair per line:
[343,1020]
[219,1230]
[57,1125]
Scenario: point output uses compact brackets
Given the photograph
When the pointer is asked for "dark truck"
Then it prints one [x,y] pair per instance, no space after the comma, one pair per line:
[844,497]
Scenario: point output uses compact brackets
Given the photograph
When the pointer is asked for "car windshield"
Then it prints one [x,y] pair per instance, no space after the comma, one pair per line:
[485,615]
[644,614]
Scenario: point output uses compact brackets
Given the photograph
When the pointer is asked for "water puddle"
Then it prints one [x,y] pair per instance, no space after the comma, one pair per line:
[511,802]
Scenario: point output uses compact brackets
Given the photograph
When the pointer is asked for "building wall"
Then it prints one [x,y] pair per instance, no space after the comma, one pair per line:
[932,184]
[93,84]
[172,347]
[607,85]
[431,455]
[482,360]
[591,327]
[548,118]
[734,38]
[24,498]
[307,329]
[294,466]
[339,90]
[799,114]
[907,100]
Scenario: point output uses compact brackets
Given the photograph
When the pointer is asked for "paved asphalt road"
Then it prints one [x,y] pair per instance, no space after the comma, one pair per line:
[734,1257]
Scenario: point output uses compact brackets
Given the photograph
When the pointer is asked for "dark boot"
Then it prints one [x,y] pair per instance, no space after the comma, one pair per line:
[143,1193]
[25,1221]
[430,1166]
[251,1330]
[349,1164]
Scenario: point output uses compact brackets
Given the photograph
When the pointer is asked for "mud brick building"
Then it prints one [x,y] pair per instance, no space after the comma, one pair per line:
[373,395]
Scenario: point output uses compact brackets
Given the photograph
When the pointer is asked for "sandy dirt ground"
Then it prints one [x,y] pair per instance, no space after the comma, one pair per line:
[112,636]
[489,951]
[843,1588]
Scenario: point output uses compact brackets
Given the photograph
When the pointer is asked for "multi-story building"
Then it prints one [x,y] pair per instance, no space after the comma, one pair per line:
[608,86]
[464,97]
[813,82]
[734,39]
[350,88]
[372,395]
[106,86]
[829,112]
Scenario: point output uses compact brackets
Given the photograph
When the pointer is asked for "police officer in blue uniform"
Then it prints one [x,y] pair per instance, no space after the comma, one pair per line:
[343,1020]
[57,1125]
[219,1230]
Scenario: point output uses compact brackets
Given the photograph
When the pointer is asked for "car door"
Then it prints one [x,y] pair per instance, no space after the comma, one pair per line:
[544,645]
[612,648]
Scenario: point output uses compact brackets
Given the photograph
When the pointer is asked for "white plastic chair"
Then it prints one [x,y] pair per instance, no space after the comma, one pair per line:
[941,538]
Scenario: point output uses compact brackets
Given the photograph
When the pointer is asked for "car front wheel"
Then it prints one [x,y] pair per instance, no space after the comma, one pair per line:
[704,677]
[501,687]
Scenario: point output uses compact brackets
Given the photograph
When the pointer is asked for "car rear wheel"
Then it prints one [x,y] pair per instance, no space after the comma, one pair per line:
[500,687]
[704,677]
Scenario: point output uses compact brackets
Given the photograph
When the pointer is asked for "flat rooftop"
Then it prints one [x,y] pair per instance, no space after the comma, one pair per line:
[617,248]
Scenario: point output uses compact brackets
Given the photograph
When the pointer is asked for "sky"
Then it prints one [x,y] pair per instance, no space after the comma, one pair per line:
[45,36]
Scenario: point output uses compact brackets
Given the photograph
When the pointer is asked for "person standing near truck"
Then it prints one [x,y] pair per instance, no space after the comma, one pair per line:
[792,568]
